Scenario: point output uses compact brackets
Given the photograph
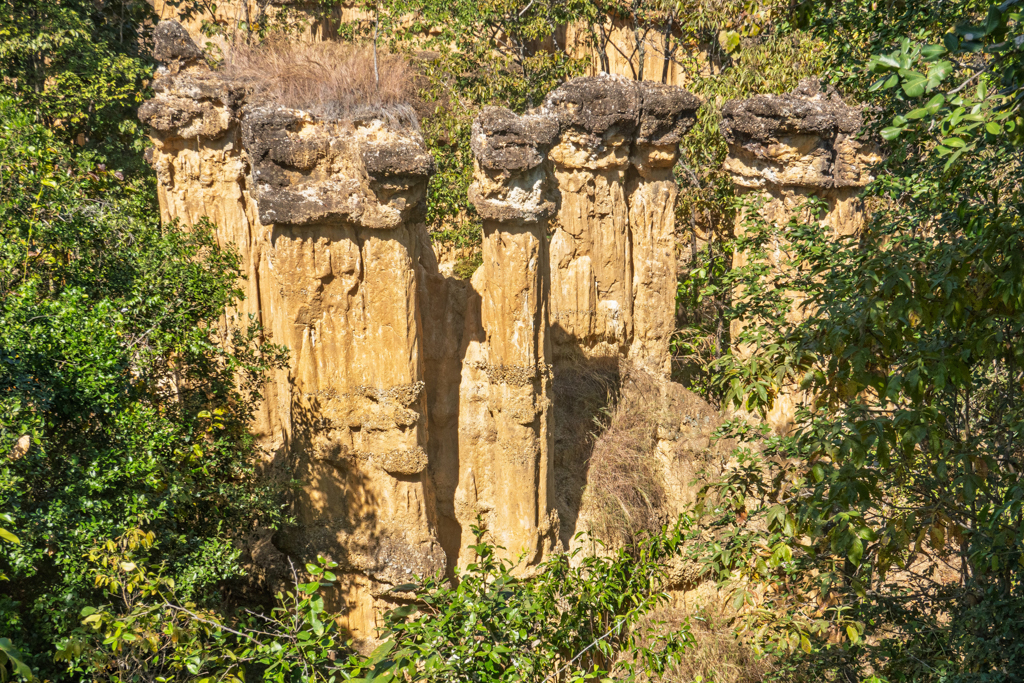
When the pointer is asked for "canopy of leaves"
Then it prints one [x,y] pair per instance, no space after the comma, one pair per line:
[124,392]
[890,520]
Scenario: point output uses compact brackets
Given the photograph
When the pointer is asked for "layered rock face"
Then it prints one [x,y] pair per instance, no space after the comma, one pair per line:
[327,218]
[416,405]
[577,200]
[803,143]
[612,249]
[784,149]
[505,436]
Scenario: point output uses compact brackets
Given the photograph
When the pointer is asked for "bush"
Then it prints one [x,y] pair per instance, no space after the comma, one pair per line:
[574,619]
[124,398]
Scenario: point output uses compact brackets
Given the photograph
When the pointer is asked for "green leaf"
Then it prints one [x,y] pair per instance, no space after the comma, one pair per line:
[887,61]
[8,536]
[852,634]
[729,40]
[856,551]
[404,611]
[914,83]
[994,128]
[935,102]
[405,588]
[7,648]
[953,142]
[891,133]
[938,73]
[932,52]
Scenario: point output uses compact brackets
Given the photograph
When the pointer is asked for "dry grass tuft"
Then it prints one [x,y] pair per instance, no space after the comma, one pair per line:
[328,79]
[624,498]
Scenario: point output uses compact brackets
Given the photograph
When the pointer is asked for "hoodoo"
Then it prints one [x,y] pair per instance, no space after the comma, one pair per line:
[784,149]
[414,404]
[327,218]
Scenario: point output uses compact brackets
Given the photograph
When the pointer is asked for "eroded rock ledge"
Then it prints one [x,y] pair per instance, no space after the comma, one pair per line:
[593,166]
[784,149]
[415,404]
[799,141]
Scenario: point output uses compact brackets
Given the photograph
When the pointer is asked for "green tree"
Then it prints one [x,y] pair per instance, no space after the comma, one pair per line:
[80,66]
[890,521]
[124,394]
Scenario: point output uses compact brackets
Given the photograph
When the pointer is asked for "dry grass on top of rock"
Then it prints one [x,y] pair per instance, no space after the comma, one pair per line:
[328,79]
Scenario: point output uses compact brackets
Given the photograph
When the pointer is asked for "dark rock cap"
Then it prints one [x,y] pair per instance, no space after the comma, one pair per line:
[596,104]
[667,112]
[396,158]
[501,140]
[806,110]
[172,43]
[657,114]
[330,173]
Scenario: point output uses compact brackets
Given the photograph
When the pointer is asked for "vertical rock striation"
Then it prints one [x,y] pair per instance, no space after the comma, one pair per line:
[612,260]
[784,149]
[327,218]
[505,437]
[413,404]
[577,199]
[788,147]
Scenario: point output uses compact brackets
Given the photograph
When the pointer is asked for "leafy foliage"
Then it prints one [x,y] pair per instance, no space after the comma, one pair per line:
[885,532]
[124,395]
[79,65]
[146,632]
[582,622]
[564,623]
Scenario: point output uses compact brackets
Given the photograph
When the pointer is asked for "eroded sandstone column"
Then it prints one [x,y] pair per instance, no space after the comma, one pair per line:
[327,216]
[612,249]
[578,203]
[505,437]
[784,149]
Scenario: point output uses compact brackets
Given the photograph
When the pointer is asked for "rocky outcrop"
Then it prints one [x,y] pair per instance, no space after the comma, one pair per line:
[326,216]
[612,247]
[415,405]
[505,431]
[803,143]
[784,149]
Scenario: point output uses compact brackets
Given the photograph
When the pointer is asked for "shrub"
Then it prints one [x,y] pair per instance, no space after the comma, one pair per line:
[570,621]
[123,400]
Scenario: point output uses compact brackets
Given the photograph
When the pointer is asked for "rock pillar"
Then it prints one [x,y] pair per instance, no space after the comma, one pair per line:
[612,247]
[505,437]
[578,204]
[784,149]
[327,217]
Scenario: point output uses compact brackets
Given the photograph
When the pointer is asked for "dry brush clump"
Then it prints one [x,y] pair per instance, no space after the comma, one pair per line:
[329,79]
[717,654]
[624,497]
